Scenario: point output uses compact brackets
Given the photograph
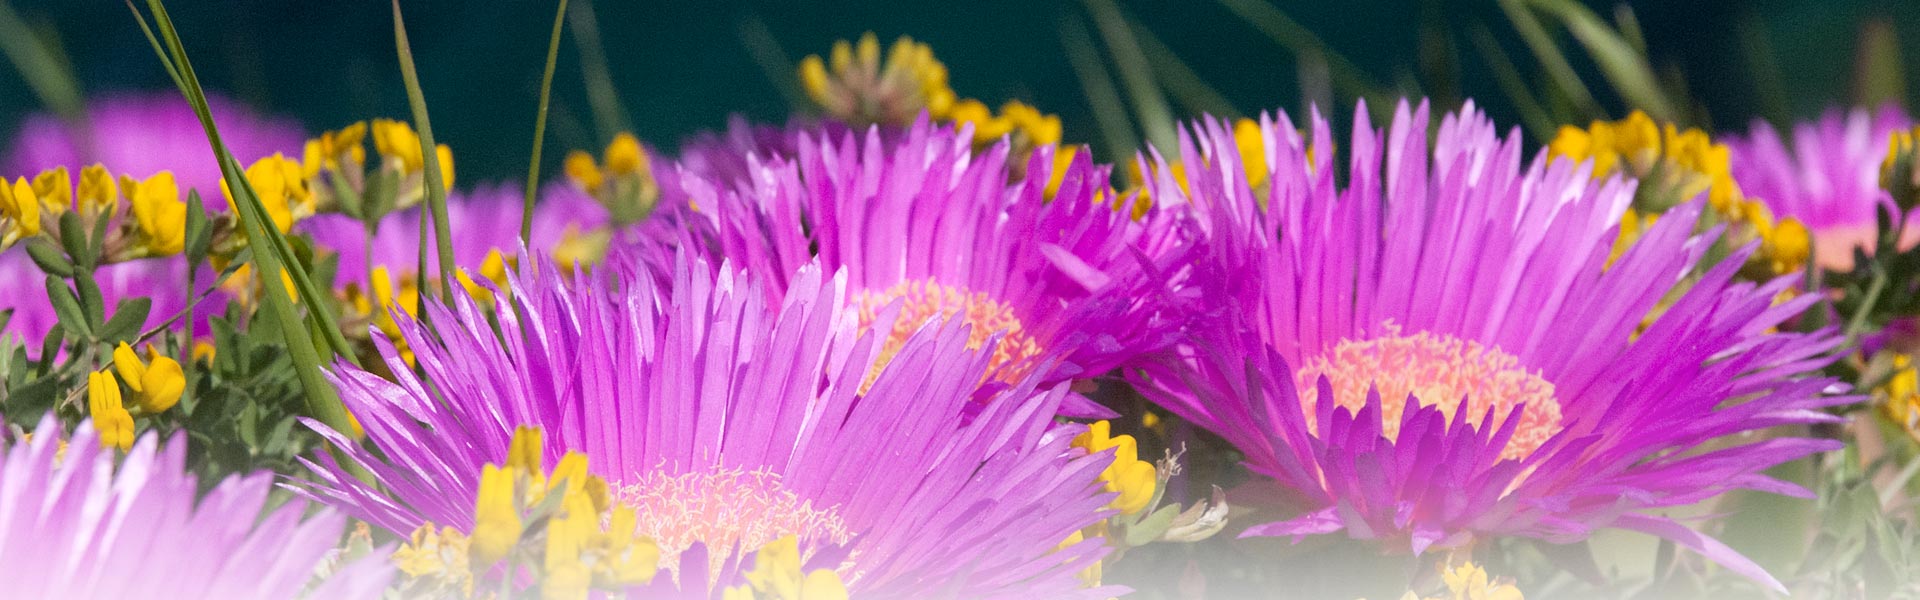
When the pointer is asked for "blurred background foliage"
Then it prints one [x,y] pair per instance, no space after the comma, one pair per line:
[680,67]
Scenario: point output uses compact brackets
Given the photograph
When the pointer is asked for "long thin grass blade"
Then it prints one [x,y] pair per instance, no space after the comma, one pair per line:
[43,67]
[540,127]
[1533,116]
[608,114]
[1763,69]
[436,188]
[1628,70]
[323,403]
[773,60]
[1108,110]
[1185,86]
[1346,77]
[1149,105]
[1548,53]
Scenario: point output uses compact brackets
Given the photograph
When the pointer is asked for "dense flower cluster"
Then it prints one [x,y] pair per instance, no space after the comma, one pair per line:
[908,345]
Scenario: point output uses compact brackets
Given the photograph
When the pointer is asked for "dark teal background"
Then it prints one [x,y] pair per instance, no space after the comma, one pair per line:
[681,66]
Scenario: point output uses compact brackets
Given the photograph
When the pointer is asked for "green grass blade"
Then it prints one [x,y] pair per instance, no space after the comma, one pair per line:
[540,127]
[1346,77]
[1149,104]
[608,115]
[47,74]
[773,60]
[1548,53]
[323,403]
[1624,67]
[436,189]
[1185,86]
[1108,111]
[1533,116]
[1763,69]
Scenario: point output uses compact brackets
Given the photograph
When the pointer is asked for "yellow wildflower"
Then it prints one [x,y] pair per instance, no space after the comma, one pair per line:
[21,206]
[1253,154]
[278,183]
[777,575]
[1901,396]
[497,525]
[55,188]
[1470,582]
[861,89]
[442,554]
[397,141]
[97,191]
[157,385]
[337,150]
[580,167]
[494,269]
[158,211]
[110,417]
[1133,479]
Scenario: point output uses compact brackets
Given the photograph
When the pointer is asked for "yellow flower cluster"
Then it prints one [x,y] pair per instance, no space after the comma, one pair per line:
[278,182]
[159,215]
[1673,166]
[589,540]
[622,180]
[156,383]
[861,90]
[857,87]
[335,165]
[778,575]
[1026,124]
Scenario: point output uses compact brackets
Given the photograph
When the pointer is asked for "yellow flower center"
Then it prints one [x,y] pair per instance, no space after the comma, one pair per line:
[1456,376]
[925,299]
[725,509]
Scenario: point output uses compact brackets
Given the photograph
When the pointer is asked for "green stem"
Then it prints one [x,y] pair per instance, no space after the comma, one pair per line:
[540,127]
[436,187]
[1858,323]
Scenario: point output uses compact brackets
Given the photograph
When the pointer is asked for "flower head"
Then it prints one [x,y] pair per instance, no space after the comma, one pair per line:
[921,219]
[1438,351]
[1827,175]
[73,525]
[858,88]
[727,423]
[1674,166]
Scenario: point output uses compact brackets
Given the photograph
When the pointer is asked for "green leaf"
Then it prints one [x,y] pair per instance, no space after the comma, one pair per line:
[72,238]
[1149,528]
[126,321]
[91,300]
[48,258]
[50,346]
[66,306]
[199,229]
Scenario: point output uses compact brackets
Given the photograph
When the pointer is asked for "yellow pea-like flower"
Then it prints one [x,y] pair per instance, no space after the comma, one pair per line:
[97,190]
[158,211]
[1133,479]
[497,525]
[21,206]
[110,417]
[156,386]
[55,187]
